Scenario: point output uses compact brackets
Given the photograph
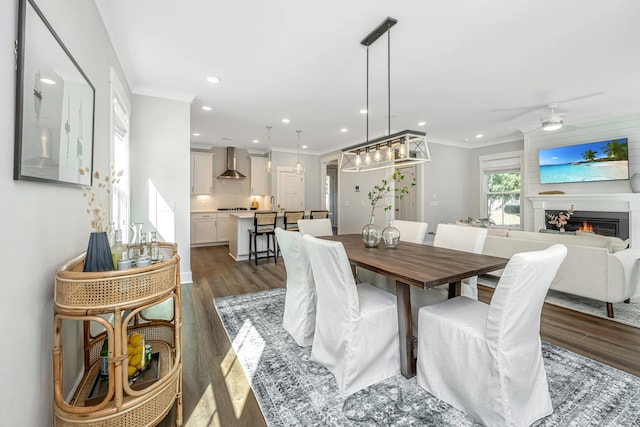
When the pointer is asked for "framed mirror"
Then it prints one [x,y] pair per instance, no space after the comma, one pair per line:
[54,106]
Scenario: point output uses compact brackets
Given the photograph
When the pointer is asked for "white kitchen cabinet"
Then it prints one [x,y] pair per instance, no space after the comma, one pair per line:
[209,228]
[224,227]
[201,172]
[203,228]
[259,176]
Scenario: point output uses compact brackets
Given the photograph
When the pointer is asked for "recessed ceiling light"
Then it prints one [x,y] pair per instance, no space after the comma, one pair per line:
[422,123]
[206,108]
[363,111]
[214,79]
[47,81]
[479,135]
[195,134]
[285,120]
[255,141]
[344,130]
[304,146]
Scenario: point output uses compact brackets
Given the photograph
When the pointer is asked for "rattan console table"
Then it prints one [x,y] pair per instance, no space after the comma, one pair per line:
[114,304]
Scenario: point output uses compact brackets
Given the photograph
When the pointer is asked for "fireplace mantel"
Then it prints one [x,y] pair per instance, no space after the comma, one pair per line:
[612,202]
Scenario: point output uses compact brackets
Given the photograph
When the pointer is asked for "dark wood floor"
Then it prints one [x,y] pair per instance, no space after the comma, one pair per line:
[216,391]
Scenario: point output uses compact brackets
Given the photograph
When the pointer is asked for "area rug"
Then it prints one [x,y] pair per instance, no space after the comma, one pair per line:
[292,390]
[629,314]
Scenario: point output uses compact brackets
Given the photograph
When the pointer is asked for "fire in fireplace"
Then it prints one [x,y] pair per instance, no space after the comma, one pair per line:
[615,224]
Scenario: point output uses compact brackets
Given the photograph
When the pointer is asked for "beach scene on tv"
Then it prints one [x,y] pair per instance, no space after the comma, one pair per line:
[594,161]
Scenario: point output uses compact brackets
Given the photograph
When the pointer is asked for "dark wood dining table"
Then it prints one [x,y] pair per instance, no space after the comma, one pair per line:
[422,266]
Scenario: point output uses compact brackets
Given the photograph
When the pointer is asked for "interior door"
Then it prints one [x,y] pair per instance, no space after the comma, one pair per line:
[406,209]
[290,190]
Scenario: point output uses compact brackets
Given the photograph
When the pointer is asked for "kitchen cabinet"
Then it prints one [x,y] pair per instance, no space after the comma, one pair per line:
[259,176]
[109,306]
[223,227]
[201,172]
[209,227]
[204,228]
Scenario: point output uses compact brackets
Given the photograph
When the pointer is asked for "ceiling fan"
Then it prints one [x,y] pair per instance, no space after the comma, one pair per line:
[554,121]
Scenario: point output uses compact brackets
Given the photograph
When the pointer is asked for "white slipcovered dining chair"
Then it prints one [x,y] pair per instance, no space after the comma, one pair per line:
[315,227]
[460,238]
[300,299]
[411,231]
[356,336]
[484,359]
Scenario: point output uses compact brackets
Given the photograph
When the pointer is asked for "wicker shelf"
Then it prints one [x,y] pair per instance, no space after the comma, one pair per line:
[119,303]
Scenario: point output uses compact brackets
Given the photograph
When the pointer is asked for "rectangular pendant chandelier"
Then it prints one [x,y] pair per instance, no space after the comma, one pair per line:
[404,148]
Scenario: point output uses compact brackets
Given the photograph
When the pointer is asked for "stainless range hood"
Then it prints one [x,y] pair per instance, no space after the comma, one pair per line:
[231,172]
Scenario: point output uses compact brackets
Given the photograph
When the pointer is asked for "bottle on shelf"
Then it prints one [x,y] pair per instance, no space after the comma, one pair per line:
[111,234]
[155,248]
[104,358]
[118,251]
[144,248]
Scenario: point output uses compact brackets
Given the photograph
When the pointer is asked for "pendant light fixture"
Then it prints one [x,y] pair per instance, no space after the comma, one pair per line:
[298,168]
[269,164]
[402,148]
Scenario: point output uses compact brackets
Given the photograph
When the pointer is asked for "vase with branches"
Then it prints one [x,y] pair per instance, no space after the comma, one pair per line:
[98,257]
[561,219]
[393,186]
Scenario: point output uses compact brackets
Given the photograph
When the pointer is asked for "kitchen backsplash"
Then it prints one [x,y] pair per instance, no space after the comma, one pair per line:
[214,202]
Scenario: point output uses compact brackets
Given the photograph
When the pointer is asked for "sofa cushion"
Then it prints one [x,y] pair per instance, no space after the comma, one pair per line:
[500,232]
[566,239]
[615,243]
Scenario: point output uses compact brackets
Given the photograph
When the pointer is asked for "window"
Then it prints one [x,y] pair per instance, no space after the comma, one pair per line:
[501,185]
[120,156]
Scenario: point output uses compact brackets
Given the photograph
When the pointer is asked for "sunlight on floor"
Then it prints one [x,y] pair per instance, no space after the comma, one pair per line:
[206,405]
[250,346]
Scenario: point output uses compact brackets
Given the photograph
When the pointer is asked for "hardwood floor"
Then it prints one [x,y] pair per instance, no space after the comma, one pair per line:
[216,391]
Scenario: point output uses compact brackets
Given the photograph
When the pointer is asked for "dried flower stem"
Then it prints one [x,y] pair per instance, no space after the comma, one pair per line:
[96,207]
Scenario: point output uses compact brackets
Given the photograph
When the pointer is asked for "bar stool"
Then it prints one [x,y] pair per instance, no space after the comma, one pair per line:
[264,224]
[319,214]
[291,219]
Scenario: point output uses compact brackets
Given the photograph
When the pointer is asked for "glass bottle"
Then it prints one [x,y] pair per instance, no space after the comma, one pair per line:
[371,234]
[144,249]
[104,358]
[118,250]
[134,239]
[155,247]
[391,236]
[111,234]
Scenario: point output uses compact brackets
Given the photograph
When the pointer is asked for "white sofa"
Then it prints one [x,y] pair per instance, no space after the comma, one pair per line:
[596,267]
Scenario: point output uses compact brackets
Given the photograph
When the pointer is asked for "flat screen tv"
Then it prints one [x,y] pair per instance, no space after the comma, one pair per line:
[594,161]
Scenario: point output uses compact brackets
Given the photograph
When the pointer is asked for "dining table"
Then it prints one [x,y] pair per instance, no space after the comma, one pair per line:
[422,266]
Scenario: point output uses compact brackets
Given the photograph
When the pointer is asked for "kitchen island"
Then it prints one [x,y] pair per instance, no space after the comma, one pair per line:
[240,223]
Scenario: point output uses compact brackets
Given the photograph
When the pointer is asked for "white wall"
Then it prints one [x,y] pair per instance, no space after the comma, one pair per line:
[447,180]
[160,171]
[620,127]
[44,225]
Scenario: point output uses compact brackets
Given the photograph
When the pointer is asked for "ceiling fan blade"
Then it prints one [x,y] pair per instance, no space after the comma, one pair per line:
[577,98]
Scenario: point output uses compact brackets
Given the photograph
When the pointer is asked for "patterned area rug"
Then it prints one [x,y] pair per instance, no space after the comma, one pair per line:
[629,314]
[294,391]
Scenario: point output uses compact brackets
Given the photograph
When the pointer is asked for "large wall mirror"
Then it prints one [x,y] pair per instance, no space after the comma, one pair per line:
[54,106]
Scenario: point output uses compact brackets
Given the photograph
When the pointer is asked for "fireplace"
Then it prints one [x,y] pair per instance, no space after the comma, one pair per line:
[600,203]
[614,224]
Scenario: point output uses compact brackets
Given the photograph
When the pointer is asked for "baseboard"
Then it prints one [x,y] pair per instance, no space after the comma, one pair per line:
[186,277]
